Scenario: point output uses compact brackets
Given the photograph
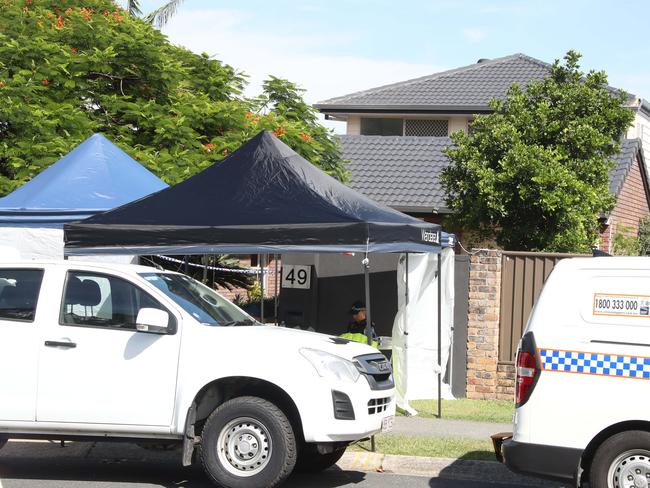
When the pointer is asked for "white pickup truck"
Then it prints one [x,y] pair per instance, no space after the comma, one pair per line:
[93,351]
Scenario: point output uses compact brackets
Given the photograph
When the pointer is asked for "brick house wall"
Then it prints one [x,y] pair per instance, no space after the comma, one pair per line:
[269,282]
[631,206]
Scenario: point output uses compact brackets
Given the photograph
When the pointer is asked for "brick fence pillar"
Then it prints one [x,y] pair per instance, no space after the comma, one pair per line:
[483,325]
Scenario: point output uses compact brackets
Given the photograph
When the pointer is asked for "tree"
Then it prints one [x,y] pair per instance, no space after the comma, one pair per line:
[534,173]
[158,17]
[67,71]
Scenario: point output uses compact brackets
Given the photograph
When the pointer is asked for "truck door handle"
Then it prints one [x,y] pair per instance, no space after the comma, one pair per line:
[60,344]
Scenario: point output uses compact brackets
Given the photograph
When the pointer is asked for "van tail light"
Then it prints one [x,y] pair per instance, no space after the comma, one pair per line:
[527,369]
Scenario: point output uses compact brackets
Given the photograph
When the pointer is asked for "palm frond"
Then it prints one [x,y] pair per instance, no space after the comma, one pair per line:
[161,15]
[133,6]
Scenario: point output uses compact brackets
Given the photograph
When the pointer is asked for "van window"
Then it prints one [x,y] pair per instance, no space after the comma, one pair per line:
[98,300]
[19,293]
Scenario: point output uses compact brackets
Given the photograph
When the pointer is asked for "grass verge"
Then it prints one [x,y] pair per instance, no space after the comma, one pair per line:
[463,409]
[458,448]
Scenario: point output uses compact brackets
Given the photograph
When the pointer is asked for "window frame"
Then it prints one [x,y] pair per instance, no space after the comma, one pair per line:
[172,327]
[38,295]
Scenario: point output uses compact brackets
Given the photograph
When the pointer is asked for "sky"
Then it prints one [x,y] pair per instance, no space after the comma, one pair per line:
[334,47]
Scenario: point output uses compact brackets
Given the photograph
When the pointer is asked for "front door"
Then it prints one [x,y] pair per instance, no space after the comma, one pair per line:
[96,367]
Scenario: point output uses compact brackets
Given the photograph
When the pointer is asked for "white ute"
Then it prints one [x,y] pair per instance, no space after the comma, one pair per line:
[582,397]
[92,351]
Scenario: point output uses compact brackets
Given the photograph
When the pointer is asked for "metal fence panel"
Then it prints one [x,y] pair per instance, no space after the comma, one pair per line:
[522,277]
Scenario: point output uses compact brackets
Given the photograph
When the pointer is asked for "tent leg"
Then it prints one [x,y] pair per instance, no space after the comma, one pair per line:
[275,260]
[261,263]
[366,276]
[405,374]
[439,336]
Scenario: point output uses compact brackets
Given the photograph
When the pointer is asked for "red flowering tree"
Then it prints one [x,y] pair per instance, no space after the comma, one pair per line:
[70,68]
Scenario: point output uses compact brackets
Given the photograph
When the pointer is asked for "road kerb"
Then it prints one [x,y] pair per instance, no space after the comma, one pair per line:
[461,469]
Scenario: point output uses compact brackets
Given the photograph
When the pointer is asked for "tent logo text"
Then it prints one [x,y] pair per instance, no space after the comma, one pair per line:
[429,236]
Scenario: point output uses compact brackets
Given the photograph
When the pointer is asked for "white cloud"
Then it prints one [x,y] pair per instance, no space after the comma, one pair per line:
[474,35]
[302,59]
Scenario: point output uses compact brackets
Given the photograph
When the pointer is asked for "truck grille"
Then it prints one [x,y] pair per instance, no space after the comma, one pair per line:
[378,405]
[377,370]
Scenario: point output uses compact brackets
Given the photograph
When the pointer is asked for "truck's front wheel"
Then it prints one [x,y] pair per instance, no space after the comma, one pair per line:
[248,442]
[622,461]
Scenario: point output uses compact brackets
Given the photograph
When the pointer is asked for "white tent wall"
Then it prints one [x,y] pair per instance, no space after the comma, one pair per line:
[415,330]
[36,243]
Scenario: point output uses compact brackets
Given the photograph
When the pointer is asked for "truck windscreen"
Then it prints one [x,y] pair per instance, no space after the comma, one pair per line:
[201,302]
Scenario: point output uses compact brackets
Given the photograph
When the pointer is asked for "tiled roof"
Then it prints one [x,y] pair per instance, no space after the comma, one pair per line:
[402,172]
[624,161]
[471,86]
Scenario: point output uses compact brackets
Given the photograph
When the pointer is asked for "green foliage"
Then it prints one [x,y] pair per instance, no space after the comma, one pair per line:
[534,173]
[70,68]
[625,242]
[644,236]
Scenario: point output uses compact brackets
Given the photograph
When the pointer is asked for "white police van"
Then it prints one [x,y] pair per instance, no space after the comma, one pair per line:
[583,377]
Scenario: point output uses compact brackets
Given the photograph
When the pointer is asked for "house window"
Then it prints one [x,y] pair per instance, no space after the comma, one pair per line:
[426,128]
[382,127]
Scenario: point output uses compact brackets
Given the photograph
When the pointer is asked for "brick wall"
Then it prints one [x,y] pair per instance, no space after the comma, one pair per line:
[483,377]
[269,282]
[631,206]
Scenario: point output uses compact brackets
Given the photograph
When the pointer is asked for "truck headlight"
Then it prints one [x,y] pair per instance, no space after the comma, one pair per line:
[330,366]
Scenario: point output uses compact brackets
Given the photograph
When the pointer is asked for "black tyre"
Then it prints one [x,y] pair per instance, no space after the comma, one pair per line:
[248,442]
[311,461]
[622,461]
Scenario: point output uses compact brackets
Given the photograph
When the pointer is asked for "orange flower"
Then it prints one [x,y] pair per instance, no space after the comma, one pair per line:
[50,15]
[68,11]
[305,137]
[117,16]
[105,13]
[280,131]
[74,50]
[248,115]
[45,82]
[86,13]
[60,23]
[29,2]
[209,147]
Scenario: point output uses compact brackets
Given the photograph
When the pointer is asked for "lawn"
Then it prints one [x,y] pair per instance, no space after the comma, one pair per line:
[463,409]
[477,449]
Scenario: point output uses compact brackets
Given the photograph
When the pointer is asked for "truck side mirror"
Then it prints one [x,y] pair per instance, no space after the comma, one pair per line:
[153,321]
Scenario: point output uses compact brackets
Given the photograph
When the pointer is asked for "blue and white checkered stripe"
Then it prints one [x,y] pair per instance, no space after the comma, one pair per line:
[595,363]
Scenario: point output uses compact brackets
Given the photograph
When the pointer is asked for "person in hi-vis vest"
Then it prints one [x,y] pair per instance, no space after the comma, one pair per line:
[356,330]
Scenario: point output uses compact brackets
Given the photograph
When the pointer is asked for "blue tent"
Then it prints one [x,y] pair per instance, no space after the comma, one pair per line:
[94,177]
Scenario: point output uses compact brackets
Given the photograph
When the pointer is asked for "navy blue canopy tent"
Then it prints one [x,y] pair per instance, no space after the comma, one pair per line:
[263,198]
[94,177]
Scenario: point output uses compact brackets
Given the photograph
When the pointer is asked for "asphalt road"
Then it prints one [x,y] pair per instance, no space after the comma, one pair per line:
[39,465]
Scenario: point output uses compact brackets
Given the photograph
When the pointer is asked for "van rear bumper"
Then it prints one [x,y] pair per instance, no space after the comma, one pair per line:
[552,462]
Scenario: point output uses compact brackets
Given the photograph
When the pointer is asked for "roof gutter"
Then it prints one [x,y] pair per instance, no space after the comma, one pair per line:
[421,210]
[404,109]
[644,106]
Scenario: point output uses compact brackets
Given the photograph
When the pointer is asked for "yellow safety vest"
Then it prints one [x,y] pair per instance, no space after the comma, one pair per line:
[357,337]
